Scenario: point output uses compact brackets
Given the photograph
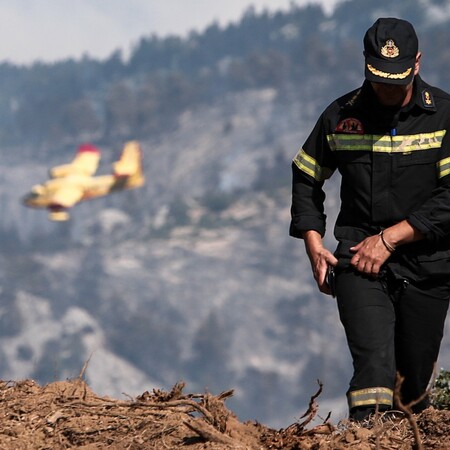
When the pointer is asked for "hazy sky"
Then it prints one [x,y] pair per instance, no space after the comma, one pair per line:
[51,30]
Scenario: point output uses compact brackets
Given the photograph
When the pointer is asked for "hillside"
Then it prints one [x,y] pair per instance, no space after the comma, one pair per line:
[191,277]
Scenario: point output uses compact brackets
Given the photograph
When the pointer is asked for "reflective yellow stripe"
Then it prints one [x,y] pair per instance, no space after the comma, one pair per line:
[386,144]
[340,142]
[443,167]
[370,396]
[308,165]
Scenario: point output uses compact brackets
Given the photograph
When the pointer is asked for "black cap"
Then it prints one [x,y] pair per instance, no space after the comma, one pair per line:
[390,49]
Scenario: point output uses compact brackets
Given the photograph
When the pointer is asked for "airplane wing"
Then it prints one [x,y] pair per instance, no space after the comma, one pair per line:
[85,163]
[66,196]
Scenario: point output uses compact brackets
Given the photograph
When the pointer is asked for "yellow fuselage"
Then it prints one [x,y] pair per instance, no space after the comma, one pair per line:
[42,195]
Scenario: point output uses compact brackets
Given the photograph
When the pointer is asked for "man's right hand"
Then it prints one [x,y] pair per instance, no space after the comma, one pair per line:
[320,259]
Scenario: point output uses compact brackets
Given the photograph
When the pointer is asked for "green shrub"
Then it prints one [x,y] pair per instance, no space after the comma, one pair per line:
[440,393]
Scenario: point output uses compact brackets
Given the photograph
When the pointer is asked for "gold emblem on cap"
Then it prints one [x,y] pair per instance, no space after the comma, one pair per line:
[391,76]
[390,50]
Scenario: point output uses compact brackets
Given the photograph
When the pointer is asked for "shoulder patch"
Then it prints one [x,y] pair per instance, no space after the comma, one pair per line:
[350,126]
[427,99]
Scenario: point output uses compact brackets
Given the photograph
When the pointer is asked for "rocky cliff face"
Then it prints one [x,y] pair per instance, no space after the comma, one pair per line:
[193,277]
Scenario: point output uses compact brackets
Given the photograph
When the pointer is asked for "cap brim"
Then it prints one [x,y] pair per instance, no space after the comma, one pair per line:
[380,71]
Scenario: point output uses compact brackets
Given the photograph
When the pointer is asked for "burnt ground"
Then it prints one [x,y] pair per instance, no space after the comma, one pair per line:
[67,414]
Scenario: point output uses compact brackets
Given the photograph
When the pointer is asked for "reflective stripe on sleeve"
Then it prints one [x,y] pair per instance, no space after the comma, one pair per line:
[386,144]
[309,165]
[443,167]
[370,396]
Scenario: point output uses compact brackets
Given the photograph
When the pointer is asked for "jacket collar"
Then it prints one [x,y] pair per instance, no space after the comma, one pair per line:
[422,97]
[365,102]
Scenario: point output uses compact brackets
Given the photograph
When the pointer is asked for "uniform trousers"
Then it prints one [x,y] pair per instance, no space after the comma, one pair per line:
[392,325]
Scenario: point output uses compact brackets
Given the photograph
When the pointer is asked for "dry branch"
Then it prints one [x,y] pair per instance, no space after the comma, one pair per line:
[299,427]
[407,409]
[210,434]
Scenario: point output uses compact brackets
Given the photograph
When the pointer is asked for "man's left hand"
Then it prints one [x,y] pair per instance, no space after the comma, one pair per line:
[370,255]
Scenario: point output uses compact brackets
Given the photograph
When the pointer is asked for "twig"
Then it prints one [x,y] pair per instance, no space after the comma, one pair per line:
[209,433]
[407,409]
[166,405]
[309,414]
[85,366]
[161,433]
[312,407]
[225,394]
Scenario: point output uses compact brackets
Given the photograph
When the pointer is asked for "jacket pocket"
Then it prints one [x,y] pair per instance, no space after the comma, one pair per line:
[435,265]
[415,158]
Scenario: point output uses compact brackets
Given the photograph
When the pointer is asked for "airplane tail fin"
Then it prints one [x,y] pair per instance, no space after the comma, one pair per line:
[129,165]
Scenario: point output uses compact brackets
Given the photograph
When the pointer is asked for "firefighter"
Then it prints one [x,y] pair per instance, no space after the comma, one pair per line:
[390,141]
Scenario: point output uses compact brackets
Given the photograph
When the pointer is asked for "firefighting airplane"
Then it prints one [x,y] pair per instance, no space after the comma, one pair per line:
[72,183]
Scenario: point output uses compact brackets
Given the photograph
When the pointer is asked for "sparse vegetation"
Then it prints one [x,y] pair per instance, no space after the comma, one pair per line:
[440,393]
[68,414]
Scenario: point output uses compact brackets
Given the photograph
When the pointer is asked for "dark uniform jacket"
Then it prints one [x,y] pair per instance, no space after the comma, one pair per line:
[394,164]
